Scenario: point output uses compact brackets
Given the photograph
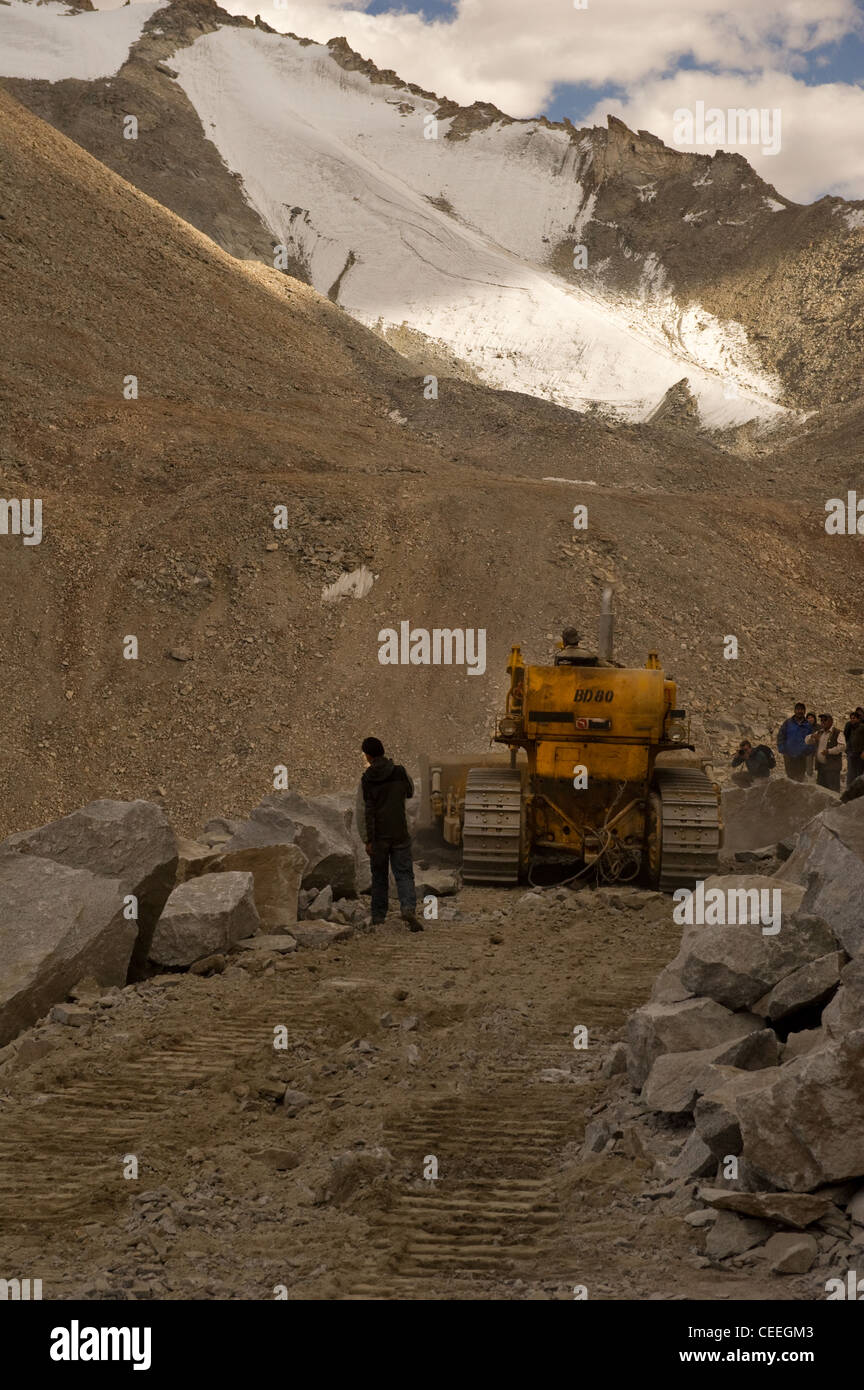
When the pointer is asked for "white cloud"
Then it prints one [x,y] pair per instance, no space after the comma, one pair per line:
[513,54]
[821,149]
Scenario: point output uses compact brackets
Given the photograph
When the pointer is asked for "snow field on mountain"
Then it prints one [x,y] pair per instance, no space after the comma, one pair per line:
[46,41]
[339,170]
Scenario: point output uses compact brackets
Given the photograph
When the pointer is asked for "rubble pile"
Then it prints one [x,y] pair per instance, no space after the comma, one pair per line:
[747,1064]
[110,895]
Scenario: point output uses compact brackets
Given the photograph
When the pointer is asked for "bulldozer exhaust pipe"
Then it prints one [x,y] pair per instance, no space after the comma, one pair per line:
[605,632]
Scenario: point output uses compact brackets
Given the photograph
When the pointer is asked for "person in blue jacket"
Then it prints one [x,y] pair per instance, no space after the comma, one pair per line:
[792,743]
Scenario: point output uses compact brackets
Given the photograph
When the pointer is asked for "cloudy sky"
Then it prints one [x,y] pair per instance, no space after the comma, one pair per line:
[641,61]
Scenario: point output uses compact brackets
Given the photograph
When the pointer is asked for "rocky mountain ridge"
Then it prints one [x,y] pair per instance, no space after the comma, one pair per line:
[460,249]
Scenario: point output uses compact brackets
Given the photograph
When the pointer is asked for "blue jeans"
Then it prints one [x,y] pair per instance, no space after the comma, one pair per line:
[395,854]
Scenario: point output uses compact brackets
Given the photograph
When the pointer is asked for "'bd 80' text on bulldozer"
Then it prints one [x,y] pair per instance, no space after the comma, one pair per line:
[601,777]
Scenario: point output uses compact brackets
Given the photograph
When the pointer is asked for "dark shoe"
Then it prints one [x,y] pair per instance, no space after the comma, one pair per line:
[411,919]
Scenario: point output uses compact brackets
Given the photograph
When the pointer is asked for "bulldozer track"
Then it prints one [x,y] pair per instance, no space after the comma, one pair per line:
[690,827]
[493,1214]
[60,1159]
[492,830]
[497,1130]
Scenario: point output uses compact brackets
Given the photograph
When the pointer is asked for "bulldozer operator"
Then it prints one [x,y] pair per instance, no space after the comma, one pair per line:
[571,653]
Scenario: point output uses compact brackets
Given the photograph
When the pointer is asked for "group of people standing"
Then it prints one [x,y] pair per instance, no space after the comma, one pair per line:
[809,745]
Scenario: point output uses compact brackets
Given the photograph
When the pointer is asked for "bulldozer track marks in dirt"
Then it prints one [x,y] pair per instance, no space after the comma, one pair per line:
[60,1158]
[492,1214]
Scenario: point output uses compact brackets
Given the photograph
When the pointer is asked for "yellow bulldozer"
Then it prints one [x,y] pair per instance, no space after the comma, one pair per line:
[600,777]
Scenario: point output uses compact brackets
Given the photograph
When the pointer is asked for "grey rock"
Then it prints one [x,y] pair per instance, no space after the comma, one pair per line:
[319,935]
[804,1041]
[737,964]
[57,925]
[797,1209]
[72,1015]
[790,1254]
[732,1235]
[295,1101]
[758,816]
[686,1026]
[694,1161]
[806,987]
[322,903]
[855,1207]
[829,860]
[277,870]
[846,1010]
[715,1114]
[441,882]
[597,1135]
[677,1079]
[616,1061]
[805,1125]
[319,829]
[668,987]
[754,1051]
[700,1218]
[209,965]
[194,857]
[204,916]
[128,841]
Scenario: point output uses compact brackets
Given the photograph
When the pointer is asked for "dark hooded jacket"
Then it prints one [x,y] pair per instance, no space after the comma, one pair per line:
[380,808]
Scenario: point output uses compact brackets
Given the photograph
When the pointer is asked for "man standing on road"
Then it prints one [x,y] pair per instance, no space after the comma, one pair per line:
[792,743]
[829,744]
[383,826]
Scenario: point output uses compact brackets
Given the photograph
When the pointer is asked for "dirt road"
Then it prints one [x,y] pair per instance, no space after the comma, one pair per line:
[455,1046]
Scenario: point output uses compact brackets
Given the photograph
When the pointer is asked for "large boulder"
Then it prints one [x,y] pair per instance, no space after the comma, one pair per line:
[677,1079]
[804,1126]
[686,1026]
[737,964]
[317,828]
[203,916]
[846,1010]
[194,858]
[343,805]
[807,987]
[130,841]
[829,860]
[58,924]
[798,1209]
[716,1112]
[754,817]
[277,871]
